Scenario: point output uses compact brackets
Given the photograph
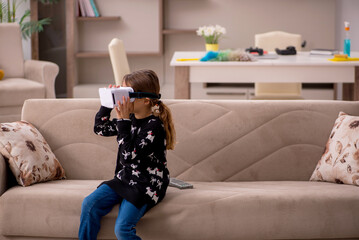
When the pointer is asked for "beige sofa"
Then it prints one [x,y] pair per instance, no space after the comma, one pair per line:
[249,161]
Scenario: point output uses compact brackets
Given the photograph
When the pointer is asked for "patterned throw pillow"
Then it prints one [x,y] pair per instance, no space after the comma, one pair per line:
[340,160]
[30,157]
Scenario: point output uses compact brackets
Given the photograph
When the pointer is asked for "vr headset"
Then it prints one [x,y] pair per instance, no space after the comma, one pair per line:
[110,96]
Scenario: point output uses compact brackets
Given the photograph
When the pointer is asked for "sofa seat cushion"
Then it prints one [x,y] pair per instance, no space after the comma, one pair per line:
[212,210]
[14,91]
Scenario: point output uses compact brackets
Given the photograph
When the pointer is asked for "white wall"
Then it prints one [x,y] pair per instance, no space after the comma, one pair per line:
[320,22]
[26,44]
[314,20]
[243,18]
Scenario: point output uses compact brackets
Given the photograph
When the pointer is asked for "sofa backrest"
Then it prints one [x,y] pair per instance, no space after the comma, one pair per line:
[218,140]
[12,57]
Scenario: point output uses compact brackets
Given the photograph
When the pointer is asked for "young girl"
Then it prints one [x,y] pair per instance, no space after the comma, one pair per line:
[144,131]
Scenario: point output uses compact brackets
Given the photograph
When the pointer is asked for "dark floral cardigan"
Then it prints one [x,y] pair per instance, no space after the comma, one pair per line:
[141,175]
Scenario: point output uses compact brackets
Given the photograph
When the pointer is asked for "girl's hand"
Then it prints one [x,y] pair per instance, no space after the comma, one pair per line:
[114,86]
[124,109]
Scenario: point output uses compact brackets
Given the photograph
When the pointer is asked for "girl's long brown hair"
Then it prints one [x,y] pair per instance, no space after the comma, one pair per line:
[147,81]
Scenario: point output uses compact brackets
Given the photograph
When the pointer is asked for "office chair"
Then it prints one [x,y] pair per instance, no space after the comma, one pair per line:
[118,60]
[276,91]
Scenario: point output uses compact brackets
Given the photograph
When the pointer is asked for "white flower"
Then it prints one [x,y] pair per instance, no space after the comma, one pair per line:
[211,33]
[200,31]
[220,30]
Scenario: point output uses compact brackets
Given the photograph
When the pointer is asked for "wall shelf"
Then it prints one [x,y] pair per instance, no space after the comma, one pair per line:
[178,31]
[92,54]
[83,36]
[104,18]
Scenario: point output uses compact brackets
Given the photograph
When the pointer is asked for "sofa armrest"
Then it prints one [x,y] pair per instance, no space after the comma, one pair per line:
[3,175]
[43,72]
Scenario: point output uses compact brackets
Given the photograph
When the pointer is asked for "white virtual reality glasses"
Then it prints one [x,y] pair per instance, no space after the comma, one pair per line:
[110,96]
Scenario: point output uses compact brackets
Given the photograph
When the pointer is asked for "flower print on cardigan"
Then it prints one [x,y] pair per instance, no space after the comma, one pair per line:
[141,174]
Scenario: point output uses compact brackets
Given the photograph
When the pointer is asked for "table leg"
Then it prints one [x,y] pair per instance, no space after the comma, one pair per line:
[182,86]
[335,88]
[348,91]
[356,84]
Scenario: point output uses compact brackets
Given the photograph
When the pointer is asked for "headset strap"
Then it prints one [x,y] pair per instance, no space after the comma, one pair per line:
[144,95]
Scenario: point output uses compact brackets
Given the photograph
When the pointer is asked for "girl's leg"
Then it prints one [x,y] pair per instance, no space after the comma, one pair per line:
[128,217]
[96,205]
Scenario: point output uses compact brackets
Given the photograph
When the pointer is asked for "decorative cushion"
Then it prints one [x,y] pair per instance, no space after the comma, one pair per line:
[30,157]
[340,160]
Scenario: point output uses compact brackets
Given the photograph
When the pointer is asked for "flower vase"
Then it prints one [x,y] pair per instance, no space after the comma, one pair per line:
[212,47]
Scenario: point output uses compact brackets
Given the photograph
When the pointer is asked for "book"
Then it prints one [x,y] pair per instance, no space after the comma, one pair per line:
[88,8]
[94,8]
[78,14]
[320,51]
[82,8]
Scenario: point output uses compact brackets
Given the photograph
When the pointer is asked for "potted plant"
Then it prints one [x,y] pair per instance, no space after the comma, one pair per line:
[8,15]
[211,35]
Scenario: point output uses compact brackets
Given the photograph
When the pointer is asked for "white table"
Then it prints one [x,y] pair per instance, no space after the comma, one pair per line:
[303,68]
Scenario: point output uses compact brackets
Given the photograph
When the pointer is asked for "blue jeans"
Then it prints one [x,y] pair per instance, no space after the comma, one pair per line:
[98,204]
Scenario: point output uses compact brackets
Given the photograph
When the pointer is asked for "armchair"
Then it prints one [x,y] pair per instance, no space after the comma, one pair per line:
[24,79]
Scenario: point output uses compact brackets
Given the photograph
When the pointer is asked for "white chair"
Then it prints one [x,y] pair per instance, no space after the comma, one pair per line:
[269,42]
[24,79]
[118,60]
